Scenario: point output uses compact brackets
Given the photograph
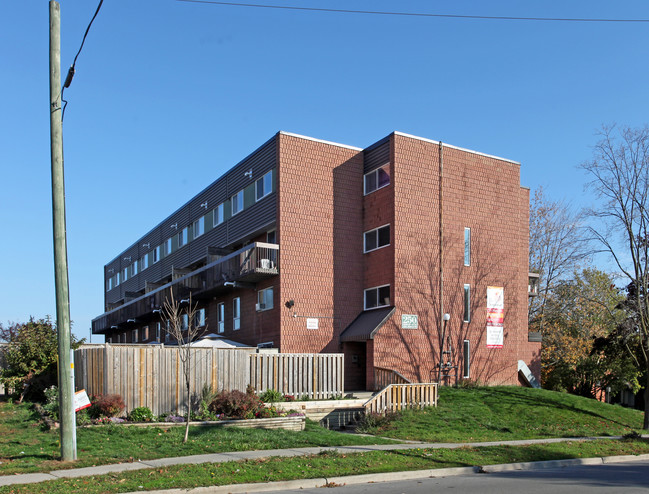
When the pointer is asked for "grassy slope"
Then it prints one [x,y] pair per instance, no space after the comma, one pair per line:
[507,413]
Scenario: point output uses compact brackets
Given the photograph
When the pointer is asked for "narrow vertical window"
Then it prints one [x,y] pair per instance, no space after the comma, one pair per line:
[466,358]
[236,313]
[158,327]
[467,246]
[237,202]
[467,303]
[145,333]
[200,318]
[198,228]
[182,236]
[184,322]
[264,186]
[218,215]
[220,317]
[156,254]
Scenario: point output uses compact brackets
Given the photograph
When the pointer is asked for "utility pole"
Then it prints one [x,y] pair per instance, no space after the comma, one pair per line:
[66,395]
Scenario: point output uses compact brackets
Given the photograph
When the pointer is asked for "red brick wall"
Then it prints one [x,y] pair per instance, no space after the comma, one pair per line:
[484,194]
[320,231]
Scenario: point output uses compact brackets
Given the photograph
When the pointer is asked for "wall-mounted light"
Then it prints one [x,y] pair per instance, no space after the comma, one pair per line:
[128,258]
[156,311]
[204,205]
[175,226]
[289,304]
[248,173]
[130,320]
[113,327]
[184,301]
[111,270]
[146,246]
[447,316]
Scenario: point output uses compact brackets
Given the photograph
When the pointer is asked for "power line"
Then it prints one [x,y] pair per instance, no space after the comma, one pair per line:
[72,70]
[417,14]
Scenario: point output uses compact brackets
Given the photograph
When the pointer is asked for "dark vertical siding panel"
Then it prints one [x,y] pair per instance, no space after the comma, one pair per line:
[376,156]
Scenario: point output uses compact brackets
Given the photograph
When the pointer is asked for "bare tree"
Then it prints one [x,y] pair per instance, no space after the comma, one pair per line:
[181,325]
[620,180]
[556,248]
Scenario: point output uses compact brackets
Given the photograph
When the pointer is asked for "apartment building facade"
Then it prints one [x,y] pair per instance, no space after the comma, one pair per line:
[393,254]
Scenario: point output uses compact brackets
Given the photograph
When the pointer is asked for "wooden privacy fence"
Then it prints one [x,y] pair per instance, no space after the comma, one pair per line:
[152,376]
[312,375]
[399,396]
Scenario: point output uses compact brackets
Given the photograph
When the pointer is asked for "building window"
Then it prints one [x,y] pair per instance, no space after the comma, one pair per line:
[125,274]
[123,337]
[198,227]
[377,179]
[145,333]
[264,186]
[220,317]
[167,247]
[237,202]
[110,284]
[271,237]
[184,322]
[134,335]
[467,246]
[377,297]
[117,279]
[467,303]
[265,299]
[109,340]
[377,238]
[182,236]
[156,254]
[236,313]
[218,215]
[144,262]
[134,268]
[158,327]
[200,318]
[167,330]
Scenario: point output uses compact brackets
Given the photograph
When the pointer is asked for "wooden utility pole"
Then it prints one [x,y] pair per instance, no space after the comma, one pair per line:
[66,395]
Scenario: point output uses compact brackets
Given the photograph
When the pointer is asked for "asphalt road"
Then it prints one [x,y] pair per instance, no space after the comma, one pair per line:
[626,477]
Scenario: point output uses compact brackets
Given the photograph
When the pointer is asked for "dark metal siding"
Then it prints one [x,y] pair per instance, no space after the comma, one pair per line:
[376,155]
[245,223]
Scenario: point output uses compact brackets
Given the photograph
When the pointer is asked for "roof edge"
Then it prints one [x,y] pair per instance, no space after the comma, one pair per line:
[403,134]
[299,136]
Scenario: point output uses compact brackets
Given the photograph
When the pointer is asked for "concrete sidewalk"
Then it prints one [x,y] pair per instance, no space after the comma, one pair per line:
[30,478]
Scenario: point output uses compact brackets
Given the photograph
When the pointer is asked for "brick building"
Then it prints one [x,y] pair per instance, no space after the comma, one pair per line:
[311,246]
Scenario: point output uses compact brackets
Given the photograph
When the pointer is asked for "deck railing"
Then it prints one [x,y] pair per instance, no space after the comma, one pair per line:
[400,396]
[384,377]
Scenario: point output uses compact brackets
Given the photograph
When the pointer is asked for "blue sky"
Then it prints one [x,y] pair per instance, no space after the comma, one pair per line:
[171,94]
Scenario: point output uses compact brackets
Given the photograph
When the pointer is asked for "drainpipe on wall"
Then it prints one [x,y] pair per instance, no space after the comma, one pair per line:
[442,323]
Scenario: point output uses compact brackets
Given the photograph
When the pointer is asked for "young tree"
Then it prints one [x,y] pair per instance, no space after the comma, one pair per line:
[181,325]
[620,180]
[556,248]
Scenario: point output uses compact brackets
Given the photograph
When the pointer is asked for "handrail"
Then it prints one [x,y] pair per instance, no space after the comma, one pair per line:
[384,376]
[400,396]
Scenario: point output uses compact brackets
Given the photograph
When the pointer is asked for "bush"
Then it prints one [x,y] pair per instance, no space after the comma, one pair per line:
[207,396]
[236,405]
[106,406]
[374,422]
[271,396]
[83,417]
[51,405]
[141,414]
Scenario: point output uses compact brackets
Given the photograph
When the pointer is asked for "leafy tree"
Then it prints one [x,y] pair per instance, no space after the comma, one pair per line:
[580,312]
[556,248]
[30,354]
[620,180]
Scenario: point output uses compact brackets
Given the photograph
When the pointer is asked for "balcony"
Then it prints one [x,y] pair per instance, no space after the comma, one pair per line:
[244,267]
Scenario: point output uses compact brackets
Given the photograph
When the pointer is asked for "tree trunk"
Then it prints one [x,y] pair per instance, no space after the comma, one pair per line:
[188,416]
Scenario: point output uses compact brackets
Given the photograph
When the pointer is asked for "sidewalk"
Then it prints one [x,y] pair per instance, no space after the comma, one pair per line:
[29,478]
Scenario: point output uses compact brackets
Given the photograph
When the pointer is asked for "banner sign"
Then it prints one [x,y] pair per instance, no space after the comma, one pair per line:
[495,316]
[81,400]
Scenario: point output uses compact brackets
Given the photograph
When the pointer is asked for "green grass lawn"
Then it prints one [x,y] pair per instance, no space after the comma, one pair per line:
[327,465]
[25,447]
[508,413]
[463,415]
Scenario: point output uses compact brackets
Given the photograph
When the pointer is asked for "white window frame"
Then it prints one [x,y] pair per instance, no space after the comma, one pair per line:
[466,317]
[198,227]
[144,262]
[236,313]
[167,331]
[467,246]
[376,173]
[220,317]
[168,247]
[134,267]
[375,231]
[125,274]
[266,186]
[117,278]
[218,215]
[265,299]
[200,318]
[156,254]
[145,333]
[158,327]
[110,284]
[238,200]
[378,300]
[184,322]
[183,237]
